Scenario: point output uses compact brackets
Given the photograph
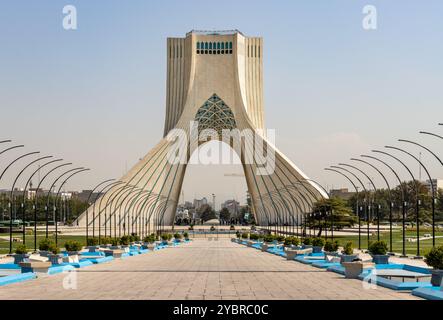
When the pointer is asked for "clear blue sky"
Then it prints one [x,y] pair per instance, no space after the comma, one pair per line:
[333,90]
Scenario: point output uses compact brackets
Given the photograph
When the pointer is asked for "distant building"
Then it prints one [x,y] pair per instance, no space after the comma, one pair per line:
[233,207]
[438,184]
[84,195]
[342,193]
[198,203]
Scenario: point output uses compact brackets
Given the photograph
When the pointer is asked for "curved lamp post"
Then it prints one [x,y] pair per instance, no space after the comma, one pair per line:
[403,188]
[432,185]
[365,201]
[87,201]
[417,193]
[49,194]
[371,206]
[391,204]
[56,196]
[431,134]
[22,204]
[5,141]
[24,195]
[35,200]
[10,200]
[11,148]
[357,205]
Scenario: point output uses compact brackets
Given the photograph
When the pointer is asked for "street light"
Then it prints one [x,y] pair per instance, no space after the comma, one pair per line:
[431,134]
[87,201]
[371,207]
[403,188]
[378,206]
[432,185]
[357,206]
[22,204]
[10,204]
[365,208]
[36,191]
[417,195]
[391,204]
[35,201]
[48,195]
[56,196]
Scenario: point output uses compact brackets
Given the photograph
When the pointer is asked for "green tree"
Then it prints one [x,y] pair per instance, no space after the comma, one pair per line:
[206,213]
[342,215]
[225,215]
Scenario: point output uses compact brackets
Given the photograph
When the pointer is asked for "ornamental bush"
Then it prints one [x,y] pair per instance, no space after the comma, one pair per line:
[238,234]
[114,241]
[348,248]
[44,244]
[378,248]
[124,240]
[269,238]
[165,237]
[244,235]
[434,258]
[307,241]
[21,249]
[150,238]
[331,246]
[177,236]
[280,238]
[318,242]
[92,242]
[72,245]
[253,236]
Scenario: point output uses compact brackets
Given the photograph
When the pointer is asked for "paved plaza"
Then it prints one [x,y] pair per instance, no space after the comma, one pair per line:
[202,269]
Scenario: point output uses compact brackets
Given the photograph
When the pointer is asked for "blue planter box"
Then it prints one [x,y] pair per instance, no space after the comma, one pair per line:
[14,278]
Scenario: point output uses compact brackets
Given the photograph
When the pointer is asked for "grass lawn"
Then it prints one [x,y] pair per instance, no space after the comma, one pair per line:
[397,240]
[4,244]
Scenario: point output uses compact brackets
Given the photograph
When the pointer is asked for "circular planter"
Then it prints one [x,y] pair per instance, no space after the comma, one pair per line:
[44,253]
[437,276]
[55,258]
[18,257]
[348,257]
[316,249]
[380,258]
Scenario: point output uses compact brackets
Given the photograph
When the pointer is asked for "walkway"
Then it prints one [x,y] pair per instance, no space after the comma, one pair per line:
[200,270]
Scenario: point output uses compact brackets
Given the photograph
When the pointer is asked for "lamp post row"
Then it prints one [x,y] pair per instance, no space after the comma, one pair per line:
[402,188]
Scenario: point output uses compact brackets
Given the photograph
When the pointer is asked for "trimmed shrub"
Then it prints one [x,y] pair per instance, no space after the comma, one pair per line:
[124,240]
[150,238]
[318,242]
[92,242]
[269,238]
[244,235]
[378,248]
[177,236]
[165,237]
[114,241]
[45,244]
[348,248]
[434,258]
[331,246]
[295,241]
[253,236]
[238,234]
[280,238]
[72,245]
[186,235]
[21,249]
[54,249]
[307,241]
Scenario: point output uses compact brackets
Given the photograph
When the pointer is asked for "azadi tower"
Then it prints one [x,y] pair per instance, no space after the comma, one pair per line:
[215,79]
